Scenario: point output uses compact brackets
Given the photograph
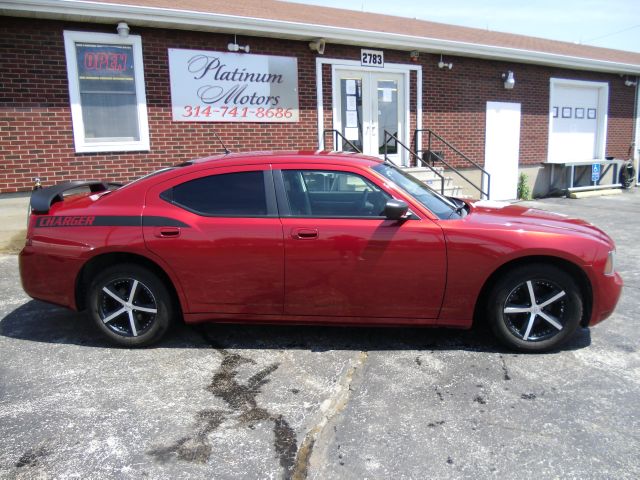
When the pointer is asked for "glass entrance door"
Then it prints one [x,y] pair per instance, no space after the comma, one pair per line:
[366,104]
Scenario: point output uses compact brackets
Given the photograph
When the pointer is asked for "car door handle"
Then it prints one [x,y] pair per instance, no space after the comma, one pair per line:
[167,232]
[304,233]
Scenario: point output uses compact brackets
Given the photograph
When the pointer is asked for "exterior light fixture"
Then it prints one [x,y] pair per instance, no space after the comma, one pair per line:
[509,80]
[630,83]
[123,29]
[234,47]
[317,46]
[414,55]
[442,64]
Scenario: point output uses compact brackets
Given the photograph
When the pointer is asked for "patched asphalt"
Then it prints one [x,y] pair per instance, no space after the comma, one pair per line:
[230,401]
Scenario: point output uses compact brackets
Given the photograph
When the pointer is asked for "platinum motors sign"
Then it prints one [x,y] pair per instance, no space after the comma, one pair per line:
[232,87]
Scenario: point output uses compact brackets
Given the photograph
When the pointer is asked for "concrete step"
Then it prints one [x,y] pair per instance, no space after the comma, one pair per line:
[423,173]
[435,182]
[450,190]
[428,177]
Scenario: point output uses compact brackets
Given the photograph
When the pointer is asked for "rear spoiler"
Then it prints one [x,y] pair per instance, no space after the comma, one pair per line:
[43,198]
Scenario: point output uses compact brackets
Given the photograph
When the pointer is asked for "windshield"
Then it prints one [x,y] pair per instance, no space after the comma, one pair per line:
[440,206]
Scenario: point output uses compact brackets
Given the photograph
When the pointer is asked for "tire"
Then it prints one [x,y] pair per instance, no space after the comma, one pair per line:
[139,323]
[523,326]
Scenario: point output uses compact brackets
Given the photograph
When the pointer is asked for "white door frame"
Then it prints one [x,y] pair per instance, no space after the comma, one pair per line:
[602,118]
[389,67]
[369,79]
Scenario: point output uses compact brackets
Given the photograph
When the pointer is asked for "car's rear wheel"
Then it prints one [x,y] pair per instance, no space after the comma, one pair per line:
[535,308]
[130,305]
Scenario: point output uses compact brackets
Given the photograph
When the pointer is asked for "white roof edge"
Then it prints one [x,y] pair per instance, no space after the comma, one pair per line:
[83,10]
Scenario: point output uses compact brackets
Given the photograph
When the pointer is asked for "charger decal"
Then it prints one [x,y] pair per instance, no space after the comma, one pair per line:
[49,221]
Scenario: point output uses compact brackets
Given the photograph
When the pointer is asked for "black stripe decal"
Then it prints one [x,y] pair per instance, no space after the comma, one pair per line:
[151,221]
[116,221]
[51,221]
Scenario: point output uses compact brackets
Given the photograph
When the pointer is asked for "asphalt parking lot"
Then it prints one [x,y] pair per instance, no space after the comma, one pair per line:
[229,401]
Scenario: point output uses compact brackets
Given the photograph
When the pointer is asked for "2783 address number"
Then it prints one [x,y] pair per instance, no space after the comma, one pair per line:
[372,58]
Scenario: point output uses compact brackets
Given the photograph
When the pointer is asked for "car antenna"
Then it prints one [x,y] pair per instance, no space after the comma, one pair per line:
[224,147]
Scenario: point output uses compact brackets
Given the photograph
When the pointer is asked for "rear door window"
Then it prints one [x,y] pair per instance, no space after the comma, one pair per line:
[240,194]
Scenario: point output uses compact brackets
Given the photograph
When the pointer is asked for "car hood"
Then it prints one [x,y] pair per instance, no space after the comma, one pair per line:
[516,217]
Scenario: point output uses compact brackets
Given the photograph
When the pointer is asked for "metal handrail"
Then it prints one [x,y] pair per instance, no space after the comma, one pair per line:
[390,136]
[335,139]
[451,167]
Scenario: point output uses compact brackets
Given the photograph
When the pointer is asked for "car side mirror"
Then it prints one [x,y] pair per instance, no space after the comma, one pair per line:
[395,209]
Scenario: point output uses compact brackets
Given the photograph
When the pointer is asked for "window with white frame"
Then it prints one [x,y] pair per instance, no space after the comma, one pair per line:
[106,88]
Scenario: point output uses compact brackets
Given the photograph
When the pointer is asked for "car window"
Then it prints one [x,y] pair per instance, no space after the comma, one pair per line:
[441,206]
[240,194]
[319,193]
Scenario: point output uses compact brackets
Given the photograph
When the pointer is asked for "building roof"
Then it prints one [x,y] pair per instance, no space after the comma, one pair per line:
[291,20]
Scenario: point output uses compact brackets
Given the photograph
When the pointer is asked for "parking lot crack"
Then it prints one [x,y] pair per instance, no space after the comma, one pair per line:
[311,448]
[505,370]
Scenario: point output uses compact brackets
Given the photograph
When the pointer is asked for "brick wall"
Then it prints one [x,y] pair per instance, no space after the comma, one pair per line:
[455,104]
[36,136]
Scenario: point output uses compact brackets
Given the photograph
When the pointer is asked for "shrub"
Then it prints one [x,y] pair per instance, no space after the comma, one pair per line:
[523,187]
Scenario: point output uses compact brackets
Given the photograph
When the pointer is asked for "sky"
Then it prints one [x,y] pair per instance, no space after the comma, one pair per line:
[601,23]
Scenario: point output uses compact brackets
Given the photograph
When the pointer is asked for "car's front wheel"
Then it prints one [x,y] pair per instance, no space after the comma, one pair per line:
[130,305]
[535,308]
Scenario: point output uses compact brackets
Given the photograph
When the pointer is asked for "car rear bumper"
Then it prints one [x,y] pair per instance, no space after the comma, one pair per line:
[606,293]
[50,278]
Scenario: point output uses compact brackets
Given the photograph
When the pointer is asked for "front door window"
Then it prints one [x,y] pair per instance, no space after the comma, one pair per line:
[388,118]
[351,113]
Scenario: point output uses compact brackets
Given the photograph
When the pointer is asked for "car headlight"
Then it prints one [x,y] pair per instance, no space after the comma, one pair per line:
[610,266]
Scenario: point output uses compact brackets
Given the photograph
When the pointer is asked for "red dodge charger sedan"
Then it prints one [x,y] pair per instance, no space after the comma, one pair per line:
[303,238]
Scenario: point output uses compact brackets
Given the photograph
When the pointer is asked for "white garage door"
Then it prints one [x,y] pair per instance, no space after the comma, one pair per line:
[576,122]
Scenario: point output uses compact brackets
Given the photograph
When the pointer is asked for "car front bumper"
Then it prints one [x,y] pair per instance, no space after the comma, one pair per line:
[606,293]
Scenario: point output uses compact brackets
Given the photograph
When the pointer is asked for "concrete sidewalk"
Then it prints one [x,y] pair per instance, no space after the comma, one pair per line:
[13,221]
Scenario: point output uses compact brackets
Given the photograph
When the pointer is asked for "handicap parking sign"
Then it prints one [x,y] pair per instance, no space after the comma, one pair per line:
[595,172]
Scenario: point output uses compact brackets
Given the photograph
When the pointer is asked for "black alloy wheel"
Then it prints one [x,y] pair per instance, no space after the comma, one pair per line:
[535,308]
[130,305]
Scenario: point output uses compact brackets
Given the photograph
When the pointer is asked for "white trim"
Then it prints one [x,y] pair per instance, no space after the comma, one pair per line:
[88,11]
[418,107]
[319,103]
[355,65]
[82,145]
[635,154]
[603,109]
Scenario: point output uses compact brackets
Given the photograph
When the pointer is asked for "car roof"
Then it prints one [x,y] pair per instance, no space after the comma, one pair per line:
[254,158]
[283,157]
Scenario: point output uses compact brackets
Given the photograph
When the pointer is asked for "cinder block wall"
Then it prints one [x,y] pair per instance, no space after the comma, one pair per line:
[36,136]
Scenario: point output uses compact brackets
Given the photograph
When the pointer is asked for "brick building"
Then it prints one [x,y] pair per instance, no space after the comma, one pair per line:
[97,89]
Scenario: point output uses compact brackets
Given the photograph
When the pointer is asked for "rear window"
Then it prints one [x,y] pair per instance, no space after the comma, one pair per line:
[240,194]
